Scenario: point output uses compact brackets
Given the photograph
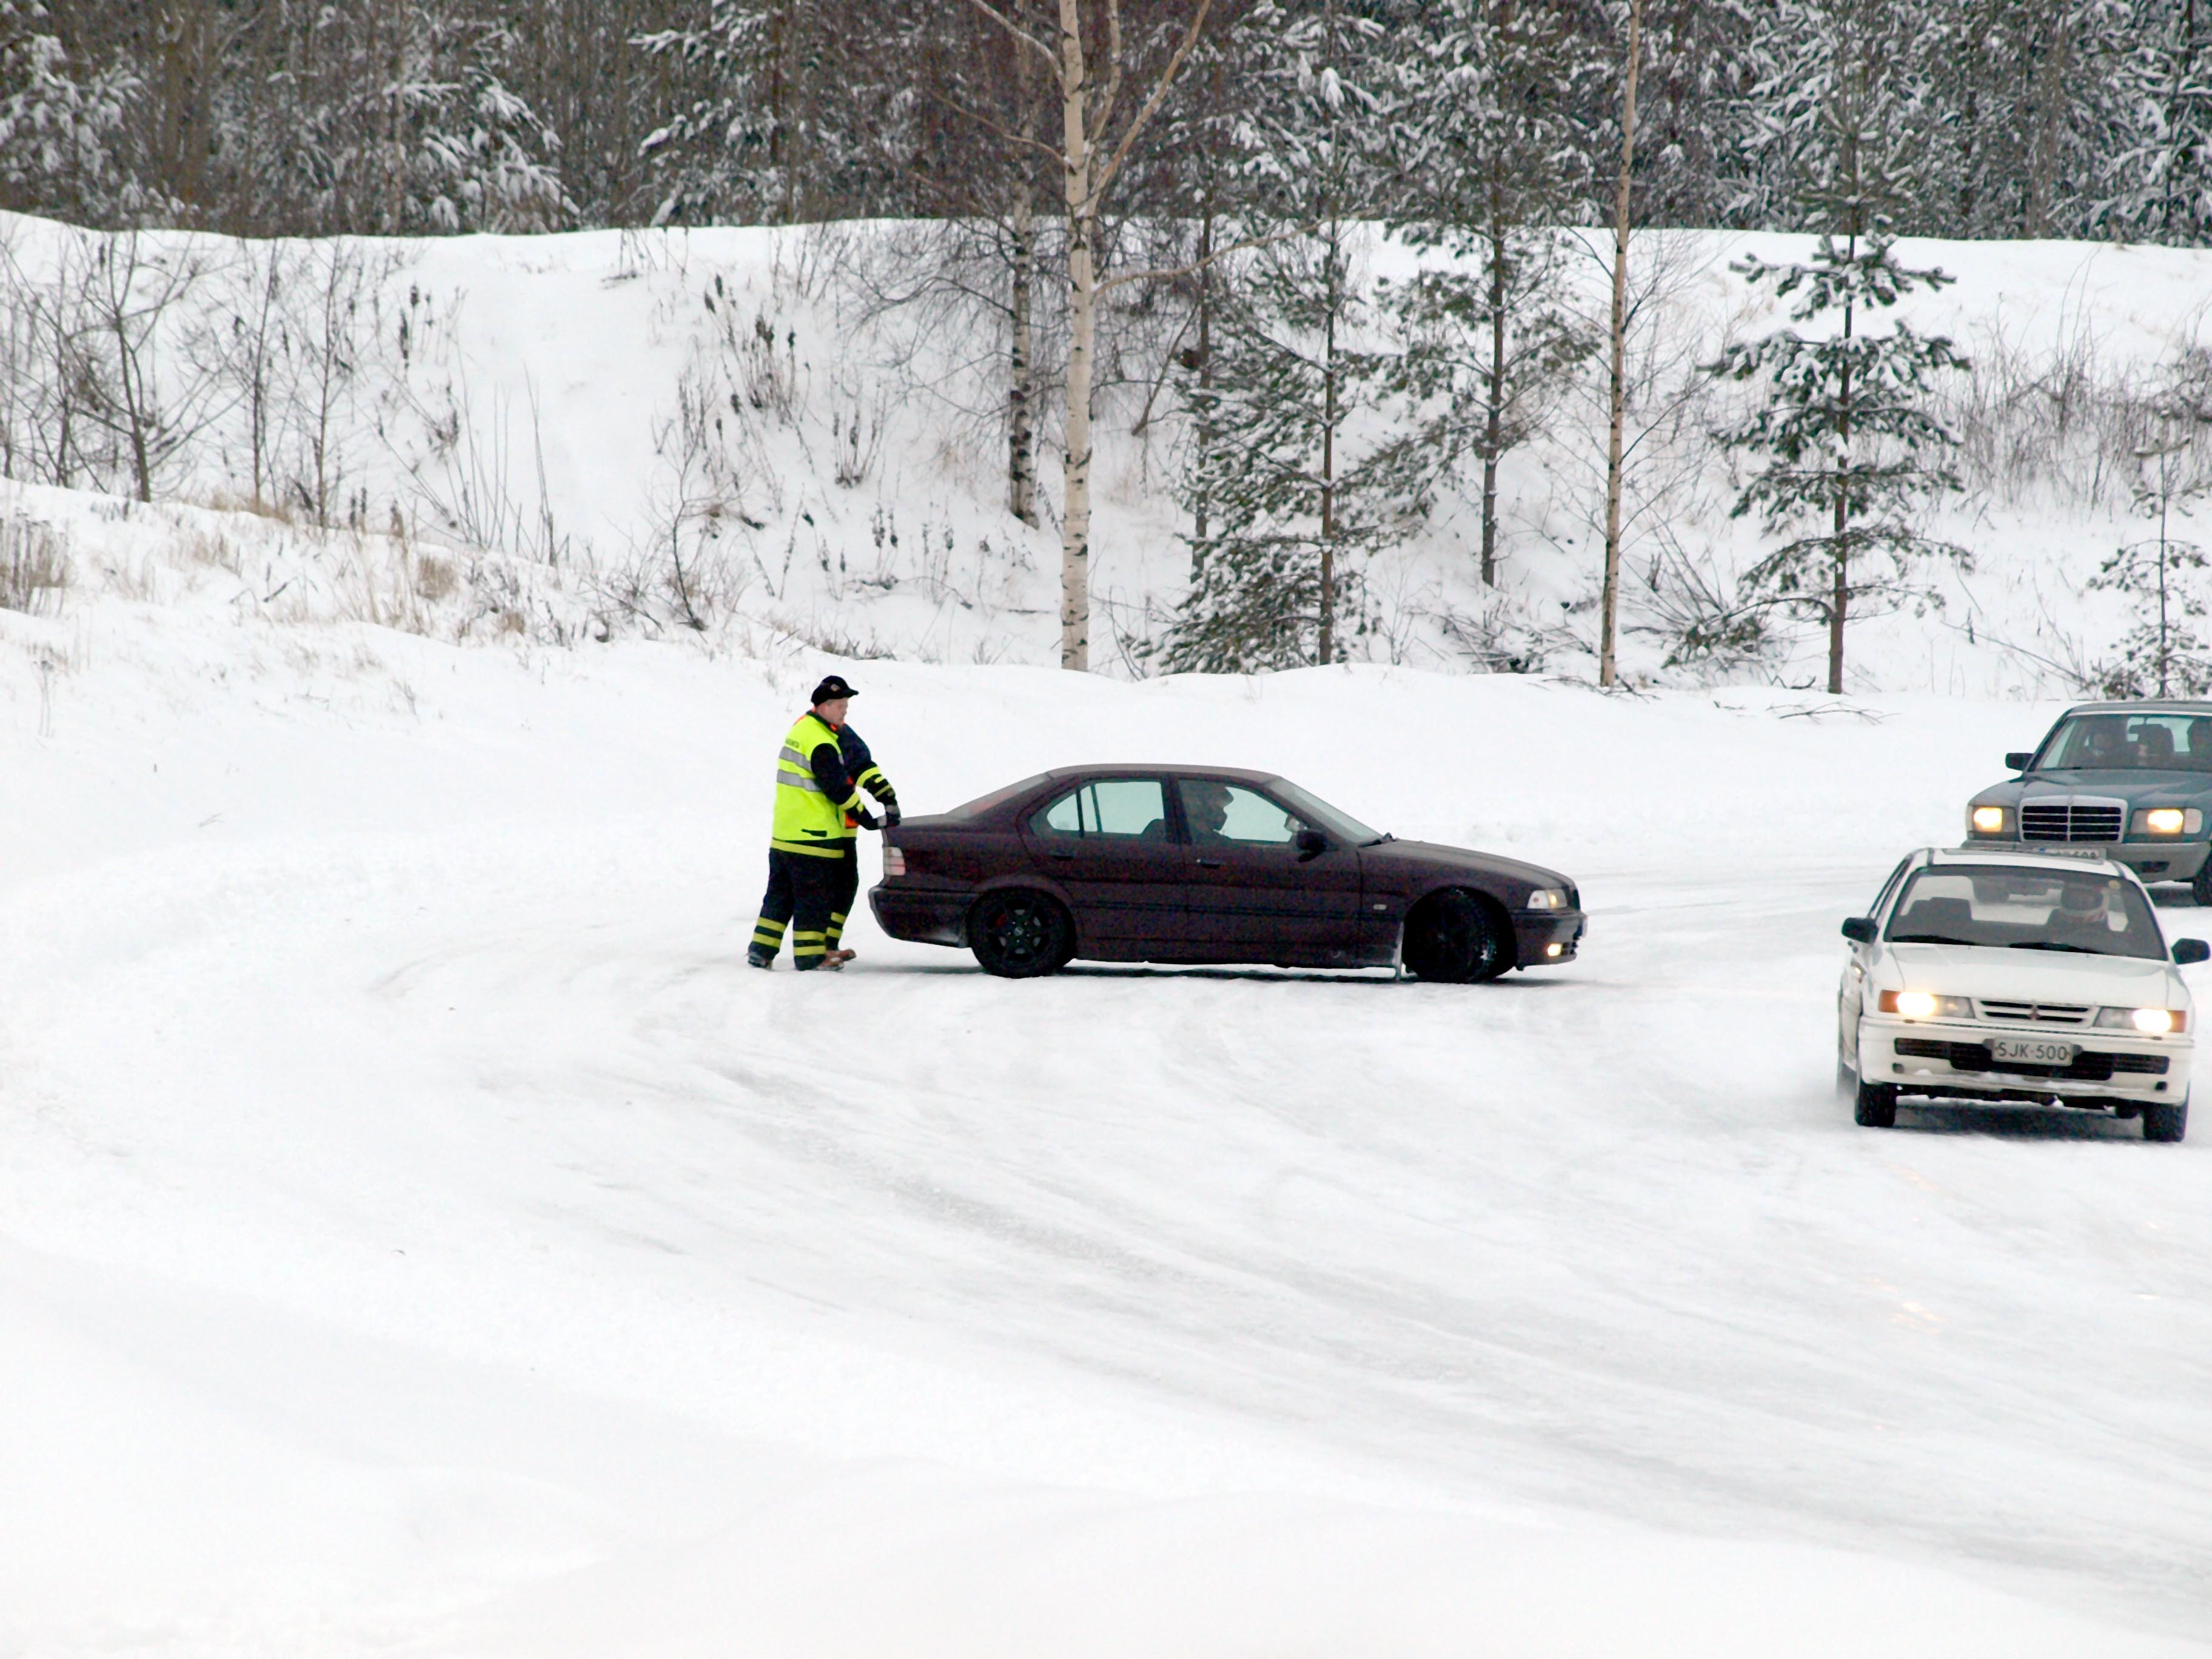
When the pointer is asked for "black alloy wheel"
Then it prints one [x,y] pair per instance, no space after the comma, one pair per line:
[1457,938]
[2165,1120]
[1019,935]
[1876,1105]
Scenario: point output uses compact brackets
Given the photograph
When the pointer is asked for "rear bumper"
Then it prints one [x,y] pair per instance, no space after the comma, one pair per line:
[1932,1057]
[1544,939]
[925,916]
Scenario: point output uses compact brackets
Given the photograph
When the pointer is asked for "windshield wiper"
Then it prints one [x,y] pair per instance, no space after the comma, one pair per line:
[1379,840]
[2048,945]
[1929,938]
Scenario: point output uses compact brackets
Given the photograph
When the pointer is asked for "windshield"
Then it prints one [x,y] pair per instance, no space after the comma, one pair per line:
[1321,816]
[2130,743]
[2026,909]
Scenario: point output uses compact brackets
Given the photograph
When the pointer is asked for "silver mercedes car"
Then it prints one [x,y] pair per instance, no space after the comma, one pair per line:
[2129,781]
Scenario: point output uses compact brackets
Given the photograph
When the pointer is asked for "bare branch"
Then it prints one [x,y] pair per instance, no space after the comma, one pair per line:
[1105,175]
[989,124]
[1017,32]
[1220,253]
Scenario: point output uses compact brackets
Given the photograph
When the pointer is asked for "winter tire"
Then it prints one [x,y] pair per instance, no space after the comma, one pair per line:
[2200,885]
[1457,938]
[2166,1122]
[1876,1105]
[1017,934]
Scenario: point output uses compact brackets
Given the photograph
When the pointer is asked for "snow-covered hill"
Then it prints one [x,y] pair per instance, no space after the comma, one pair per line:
[632,432]
[423,1235]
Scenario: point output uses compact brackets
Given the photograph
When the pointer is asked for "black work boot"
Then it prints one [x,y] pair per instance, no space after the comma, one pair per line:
[759,955]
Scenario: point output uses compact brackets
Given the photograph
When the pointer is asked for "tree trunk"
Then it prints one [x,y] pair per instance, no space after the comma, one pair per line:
[1326,644]
[1609,603]
[1021,367]
[1839,601]
[1083,329]
[1493,426]
[1202,435]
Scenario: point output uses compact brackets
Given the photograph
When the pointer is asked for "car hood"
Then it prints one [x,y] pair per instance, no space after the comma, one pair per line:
[1986,971]
[1424,857]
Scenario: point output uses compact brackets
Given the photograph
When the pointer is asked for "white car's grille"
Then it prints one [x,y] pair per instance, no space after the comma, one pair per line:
[2070,821]
[2035,1013]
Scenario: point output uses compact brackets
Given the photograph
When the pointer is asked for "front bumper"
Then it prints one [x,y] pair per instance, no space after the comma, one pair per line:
[1544,939]
[2153,860]
[1952,1058]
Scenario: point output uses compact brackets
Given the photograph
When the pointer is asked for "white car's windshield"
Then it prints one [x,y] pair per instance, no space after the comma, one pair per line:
[2130,743]
[2023,908]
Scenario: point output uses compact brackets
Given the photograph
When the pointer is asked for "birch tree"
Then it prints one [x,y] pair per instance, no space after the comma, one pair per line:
[1085,58]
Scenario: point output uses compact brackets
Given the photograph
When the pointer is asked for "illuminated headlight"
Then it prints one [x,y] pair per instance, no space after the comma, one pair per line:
[894,861]
[2151,1021]
[1987,820]
[1547,898]
[1926,1005]
[2169,820]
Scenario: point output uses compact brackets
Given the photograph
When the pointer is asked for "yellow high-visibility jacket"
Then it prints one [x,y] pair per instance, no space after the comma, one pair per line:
[812,792]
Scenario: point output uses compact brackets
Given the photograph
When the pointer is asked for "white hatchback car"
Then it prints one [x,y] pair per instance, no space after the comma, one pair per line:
[2015,975]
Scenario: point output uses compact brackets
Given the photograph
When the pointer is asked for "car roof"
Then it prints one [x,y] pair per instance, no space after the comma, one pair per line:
[1163,768]
[1973,857]
[2143,706]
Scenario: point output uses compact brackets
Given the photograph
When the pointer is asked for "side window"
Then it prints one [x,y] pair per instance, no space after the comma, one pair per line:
[1887,888]
[1123,808]
[1063,817]
[1230,812]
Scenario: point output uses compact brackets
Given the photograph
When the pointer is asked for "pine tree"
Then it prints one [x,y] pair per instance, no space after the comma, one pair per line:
[1846,438]
[1291,506]
[60,123]
[2160,185]
[2165,653]
[1489,86]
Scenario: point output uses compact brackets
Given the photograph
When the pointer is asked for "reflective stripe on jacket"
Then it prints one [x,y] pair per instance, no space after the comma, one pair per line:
[812,792]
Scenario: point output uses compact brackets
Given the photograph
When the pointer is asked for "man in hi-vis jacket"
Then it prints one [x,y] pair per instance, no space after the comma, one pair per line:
[812,866]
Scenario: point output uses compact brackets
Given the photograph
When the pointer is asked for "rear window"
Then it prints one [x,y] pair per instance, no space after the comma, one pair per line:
[982,804]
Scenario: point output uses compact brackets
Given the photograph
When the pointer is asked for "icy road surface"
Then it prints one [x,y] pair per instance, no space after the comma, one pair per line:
[419,1232]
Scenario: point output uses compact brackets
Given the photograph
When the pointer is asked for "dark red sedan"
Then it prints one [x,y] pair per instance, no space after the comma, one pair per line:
[1188,864]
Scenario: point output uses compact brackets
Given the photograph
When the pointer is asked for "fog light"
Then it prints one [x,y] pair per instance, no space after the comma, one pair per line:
[1553,950]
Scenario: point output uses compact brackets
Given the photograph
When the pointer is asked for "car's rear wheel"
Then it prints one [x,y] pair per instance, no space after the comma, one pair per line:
[2165,1120]
[1876,1105]
[1019,934]
[1457,938]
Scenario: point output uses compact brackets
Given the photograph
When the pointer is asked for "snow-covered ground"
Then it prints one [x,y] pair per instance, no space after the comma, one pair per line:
[420,1233]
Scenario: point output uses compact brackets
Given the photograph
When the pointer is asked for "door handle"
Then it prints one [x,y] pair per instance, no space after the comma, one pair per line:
[1209,864]
[1066,856]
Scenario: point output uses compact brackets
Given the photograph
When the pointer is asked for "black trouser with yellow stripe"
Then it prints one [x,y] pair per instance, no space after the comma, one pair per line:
[811,894]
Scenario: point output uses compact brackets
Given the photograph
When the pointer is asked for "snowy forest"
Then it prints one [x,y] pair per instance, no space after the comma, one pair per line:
[1415,329]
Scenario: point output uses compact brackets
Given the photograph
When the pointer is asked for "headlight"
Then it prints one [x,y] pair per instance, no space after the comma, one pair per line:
[2169,820]
[2151,1021]
[1925,1005]
[1987,820]
[1547,898]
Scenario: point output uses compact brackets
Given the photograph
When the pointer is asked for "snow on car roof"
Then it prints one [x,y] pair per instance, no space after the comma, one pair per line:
[2023,855]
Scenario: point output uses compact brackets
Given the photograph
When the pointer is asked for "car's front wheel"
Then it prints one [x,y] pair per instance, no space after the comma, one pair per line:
[1457,938]
[1017,934]
[2165,1120]
[1875,1105]
[2200,885]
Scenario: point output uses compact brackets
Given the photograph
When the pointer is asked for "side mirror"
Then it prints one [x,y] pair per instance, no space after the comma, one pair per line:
[2186,950]
[1860,930]
[2020,760]
[1311,843]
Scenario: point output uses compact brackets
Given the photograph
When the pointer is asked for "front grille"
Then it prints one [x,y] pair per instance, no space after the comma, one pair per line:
[2070,822]
[2086,1068]
[2035,1013]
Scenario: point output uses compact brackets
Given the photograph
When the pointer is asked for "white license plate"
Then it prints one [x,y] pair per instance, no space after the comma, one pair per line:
[2070,852]
[2031,1051]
